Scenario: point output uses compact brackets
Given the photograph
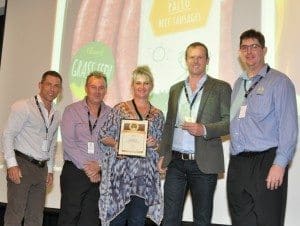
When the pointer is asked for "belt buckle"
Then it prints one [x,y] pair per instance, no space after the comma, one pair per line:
[186,156]
[41,164]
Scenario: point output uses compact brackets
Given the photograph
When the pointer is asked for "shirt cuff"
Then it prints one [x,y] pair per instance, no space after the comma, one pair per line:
[280,161]
[204,131]
[50,167]
[11,162]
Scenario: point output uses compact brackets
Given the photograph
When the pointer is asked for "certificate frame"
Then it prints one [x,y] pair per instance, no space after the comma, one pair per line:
[133,138]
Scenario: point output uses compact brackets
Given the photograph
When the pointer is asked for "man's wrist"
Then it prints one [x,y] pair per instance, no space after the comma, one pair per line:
[11,162]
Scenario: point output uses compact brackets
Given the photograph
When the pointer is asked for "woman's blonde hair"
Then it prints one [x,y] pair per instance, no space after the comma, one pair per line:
[142,70]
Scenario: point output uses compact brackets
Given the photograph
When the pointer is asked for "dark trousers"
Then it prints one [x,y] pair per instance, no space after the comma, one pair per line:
[134,213]
[184,175]
[79,198]
[250,202]
[27,199]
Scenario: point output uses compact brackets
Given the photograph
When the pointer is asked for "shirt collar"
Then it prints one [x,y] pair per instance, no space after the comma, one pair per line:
[200,82]
[262,73]
[84,103]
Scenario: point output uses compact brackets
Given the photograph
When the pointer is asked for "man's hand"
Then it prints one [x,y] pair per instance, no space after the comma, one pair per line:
[275,177]
[92,170]
[14,174]
[159,166]
[195,129]
[49,180]
[96,178]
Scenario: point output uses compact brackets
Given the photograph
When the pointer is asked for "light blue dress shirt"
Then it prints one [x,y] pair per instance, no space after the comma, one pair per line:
[270,119]
[183,141]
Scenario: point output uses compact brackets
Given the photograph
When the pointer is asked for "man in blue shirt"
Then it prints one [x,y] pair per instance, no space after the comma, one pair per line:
[264,130]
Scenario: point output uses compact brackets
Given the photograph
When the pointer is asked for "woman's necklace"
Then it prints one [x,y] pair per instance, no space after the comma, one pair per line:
[138,113]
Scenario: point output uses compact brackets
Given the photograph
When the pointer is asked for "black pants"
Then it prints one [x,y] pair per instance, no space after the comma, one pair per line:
[250,202]
[79,198]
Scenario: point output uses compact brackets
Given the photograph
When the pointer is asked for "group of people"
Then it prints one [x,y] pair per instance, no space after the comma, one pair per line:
[260,114]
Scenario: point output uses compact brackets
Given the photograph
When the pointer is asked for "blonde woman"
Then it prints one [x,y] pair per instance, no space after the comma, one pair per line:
[130,188]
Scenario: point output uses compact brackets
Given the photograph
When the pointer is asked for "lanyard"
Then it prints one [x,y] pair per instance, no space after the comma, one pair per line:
[92,127]
[41,113]
[247,92]
[194,99]
[137,111]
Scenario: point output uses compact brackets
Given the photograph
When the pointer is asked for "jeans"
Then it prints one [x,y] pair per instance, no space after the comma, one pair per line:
[134,213]
[184,175]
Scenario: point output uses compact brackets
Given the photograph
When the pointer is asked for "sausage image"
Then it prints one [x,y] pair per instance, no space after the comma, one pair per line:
[127,46]
[86,23]
[116,24]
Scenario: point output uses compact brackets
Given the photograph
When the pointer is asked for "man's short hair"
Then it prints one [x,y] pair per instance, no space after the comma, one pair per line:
[98,75]
[194,45]
[251,33]
[51,73]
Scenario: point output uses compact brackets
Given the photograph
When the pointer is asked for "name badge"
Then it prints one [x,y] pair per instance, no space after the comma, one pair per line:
[243,111]
[91,147]
[189,119]
[45,145]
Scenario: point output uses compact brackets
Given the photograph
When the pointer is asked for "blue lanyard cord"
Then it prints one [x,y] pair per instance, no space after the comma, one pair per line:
[247,92]
[194,99]
[41,113]
[92,127]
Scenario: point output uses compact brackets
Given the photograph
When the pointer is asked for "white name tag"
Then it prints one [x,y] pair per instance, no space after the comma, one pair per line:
[91,147]
[243,111]
[45,145]
[189,119]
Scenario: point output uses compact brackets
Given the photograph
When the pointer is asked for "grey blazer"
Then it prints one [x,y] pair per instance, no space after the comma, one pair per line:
[213,112]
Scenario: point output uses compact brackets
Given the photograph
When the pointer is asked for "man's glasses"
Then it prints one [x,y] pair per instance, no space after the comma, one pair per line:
[252,47]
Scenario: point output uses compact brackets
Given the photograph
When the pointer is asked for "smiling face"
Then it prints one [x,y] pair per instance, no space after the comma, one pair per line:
[50,87]
[95,90]
[196,60]
[252,54]
[141,86]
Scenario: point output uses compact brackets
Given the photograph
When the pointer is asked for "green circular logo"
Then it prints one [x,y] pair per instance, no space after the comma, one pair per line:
[94,56]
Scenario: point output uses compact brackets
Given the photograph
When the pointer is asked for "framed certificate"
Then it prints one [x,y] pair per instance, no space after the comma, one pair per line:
[133,137]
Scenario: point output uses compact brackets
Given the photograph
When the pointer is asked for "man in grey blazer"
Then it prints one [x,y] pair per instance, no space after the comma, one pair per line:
[191,152]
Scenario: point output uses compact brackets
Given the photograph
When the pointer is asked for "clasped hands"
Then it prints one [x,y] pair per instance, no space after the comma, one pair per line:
[93,171]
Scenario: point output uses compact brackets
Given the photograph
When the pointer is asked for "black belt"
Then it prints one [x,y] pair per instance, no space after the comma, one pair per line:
[252,154]
[39,163]
[182,156]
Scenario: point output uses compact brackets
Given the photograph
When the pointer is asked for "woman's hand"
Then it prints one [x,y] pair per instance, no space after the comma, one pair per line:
[160,167]
[109,141]
[152,143]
